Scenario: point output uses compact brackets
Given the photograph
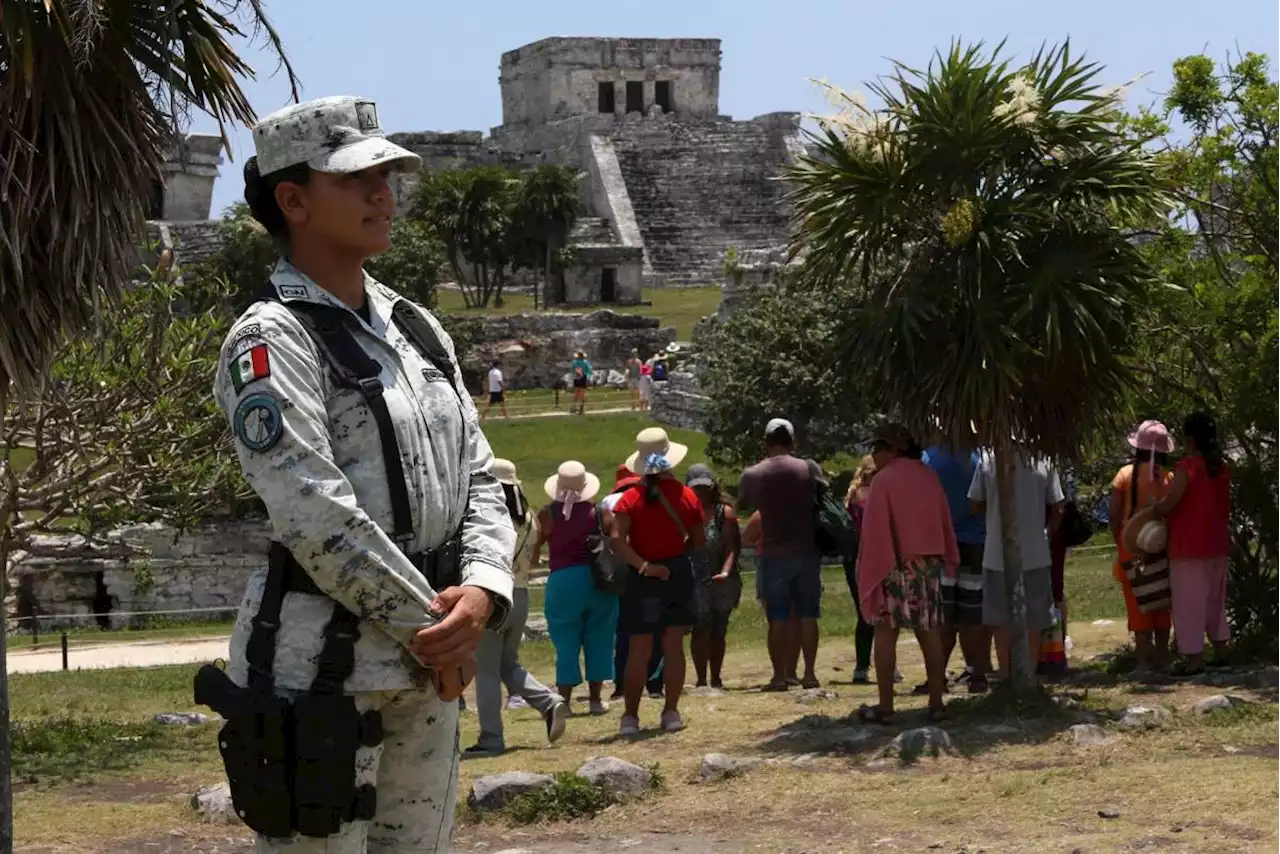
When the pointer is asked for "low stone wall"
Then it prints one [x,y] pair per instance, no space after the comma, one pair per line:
[679,402]
[535,350]
[141,568]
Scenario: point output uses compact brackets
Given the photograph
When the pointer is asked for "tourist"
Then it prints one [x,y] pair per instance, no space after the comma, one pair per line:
[1139,484]
[580,369]
[646,384]
[580,617]
[907,546]
[634,364]
[962,594]
[624,479]
[715,568]
[855,502]
[654,528]
[751,534]
[1198,509]
[782,488]
[1036,486]
[414,558]
[497,391]
[498,659]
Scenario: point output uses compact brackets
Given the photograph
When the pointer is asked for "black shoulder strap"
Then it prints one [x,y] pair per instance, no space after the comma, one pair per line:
[329,327]
[423,336]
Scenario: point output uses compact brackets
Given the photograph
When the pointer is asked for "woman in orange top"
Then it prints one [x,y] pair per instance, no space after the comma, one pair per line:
[1152,445]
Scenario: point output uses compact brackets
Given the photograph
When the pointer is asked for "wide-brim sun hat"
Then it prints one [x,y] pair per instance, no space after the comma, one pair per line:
[340,134]
[572,477]
[1152,436]
[699,475]
[505,472]
[654,440]
[1145,533]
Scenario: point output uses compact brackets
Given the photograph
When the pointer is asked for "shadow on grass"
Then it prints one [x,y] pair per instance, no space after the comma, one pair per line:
[68,749]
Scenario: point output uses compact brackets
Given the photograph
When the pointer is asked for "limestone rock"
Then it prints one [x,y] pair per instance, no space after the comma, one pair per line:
[1091,735]
[493,791]
[181,718]
[616,776]
[213,803]
[1143,717]
[1109,812]
[1218,701]
[809,696]
[717,766]
[914,743]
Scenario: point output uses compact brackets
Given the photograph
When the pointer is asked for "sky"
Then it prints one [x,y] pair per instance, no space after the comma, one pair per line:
[434,66]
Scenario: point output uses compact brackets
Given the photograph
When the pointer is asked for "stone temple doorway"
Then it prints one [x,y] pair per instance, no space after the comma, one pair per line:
[608,285]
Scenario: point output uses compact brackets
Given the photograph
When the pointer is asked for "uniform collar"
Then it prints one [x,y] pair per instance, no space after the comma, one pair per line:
[293,285]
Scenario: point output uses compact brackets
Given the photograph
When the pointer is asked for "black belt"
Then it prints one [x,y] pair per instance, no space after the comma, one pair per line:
[441,567]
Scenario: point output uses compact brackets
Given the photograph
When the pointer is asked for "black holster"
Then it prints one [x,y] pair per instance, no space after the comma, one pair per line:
[291,762]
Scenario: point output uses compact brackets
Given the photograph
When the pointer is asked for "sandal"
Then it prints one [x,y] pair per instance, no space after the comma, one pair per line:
[811,683]
[776,685]
[874,715]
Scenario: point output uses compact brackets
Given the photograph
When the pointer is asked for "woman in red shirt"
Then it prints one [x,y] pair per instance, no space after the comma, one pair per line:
[655,524]
[1198,507]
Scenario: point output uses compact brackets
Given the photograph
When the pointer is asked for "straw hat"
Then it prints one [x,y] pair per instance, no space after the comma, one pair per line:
[572,476]
[1152,436]
[505,472]
[1145,534]
[654,440]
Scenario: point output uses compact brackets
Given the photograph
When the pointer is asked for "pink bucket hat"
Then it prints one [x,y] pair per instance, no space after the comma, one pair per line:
[1152,436]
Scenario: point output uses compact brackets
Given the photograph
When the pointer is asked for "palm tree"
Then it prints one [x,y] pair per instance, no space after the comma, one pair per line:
[91,96]
[981,213]
[548,208]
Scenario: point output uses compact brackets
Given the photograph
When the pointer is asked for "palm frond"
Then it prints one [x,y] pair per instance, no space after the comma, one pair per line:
[92,96]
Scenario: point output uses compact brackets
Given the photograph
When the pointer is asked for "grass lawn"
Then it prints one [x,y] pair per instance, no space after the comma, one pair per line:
[678,307]
[93,773]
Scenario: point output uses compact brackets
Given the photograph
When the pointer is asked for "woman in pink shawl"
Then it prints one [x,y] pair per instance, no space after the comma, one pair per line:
[907,546]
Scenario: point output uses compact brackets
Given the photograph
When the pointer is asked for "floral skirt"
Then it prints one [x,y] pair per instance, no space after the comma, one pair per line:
[913,594]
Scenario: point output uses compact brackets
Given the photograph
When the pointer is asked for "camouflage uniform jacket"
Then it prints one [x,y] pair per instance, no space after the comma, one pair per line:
[312,453]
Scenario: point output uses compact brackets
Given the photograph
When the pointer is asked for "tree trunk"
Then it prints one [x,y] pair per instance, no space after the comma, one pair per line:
[1021,667]
[546,278]
[6,744]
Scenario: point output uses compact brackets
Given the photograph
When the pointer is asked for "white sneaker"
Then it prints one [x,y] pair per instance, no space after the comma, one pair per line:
[557,718]
[515,701]
[897,675]
[672,722]
[630,725]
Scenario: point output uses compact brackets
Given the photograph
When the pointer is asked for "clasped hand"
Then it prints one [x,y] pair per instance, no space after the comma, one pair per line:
[449,647]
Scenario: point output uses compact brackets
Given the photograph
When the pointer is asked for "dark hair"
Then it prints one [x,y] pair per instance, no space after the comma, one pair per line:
[1143,455]
[517,505]
[652,492]
[1200,428]
[260,194]
[779,438]
[914,451]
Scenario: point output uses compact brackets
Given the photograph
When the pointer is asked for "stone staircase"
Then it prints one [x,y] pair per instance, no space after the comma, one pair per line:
[698,188]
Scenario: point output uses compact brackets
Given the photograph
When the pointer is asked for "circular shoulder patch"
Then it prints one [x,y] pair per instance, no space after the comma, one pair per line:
[257,422]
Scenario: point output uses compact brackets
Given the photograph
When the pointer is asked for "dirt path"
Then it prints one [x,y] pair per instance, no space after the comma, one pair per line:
[138,654]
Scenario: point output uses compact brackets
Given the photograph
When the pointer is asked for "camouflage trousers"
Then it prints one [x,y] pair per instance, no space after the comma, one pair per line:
[415,770]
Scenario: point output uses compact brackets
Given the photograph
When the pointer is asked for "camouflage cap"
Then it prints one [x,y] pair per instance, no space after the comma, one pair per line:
[337,134]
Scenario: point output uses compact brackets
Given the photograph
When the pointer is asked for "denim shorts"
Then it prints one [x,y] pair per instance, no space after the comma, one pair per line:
[651,604]
[791,582]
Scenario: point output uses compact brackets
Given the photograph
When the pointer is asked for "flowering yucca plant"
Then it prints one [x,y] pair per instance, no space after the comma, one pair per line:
[981,216]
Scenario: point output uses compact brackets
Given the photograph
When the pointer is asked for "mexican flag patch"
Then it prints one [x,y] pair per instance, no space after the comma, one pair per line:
[250,365]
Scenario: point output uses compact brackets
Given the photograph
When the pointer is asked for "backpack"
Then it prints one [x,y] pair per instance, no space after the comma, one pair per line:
[660,370]
[833,531]
[1075,528]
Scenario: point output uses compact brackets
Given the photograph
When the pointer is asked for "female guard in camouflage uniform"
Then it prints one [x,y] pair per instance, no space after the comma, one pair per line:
[393,545]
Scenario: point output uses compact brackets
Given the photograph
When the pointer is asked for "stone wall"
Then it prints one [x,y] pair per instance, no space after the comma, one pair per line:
[557,78]
[535,350]
[190,169]
[679,402]
[142,568]
[192,242]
